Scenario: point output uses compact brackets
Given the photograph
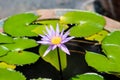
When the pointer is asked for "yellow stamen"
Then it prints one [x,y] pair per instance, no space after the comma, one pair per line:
[56,40]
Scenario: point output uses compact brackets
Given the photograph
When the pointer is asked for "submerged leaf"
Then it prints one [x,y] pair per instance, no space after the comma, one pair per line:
[8,66]
[98,36]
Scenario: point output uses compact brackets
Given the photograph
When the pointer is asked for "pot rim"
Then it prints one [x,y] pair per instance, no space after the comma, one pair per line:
[111,25]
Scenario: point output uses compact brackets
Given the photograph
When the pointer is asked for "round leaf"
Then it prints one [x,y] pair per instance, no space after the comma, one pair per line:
[3,50]
[20,57]
[21,44]
[52,57]
[11,75]
[100,62]
[112,38]
[5,39]
[88,23]
[88,76]
[19,25]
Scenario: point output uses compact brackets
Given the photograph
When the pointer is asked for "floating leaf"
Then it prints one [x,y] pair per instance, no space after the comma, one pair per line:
[104,64]
[41,79]
[6,74]
[42,28]
[88,76]
[8,66]
[21,44]
[112,38]
[3,50]
[5,39]
[86,23]
[52,57]
[52,22]
[20,25]
[98,36]
[16,55]
[20,57]
[111,46]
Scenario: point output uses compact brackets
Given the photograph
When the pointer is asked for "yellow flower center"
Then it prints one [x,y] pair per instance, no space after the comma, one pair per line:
[56,40]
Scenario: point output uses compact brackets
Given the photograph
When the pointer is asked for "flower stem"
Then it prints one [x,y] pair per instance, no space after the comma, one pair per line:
[60,67]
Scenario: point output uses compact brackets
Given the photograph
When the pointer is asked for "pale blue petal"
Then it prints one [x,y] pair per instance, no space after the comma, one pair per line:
[67,39]
[65,35]
[64,48]
[47,51]
[43,42]
[52,30]
[54,46]
[57,30]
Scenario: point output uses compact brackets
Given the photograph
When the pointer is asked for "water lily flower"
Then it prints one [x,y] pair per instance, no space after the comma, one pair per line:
[55,39]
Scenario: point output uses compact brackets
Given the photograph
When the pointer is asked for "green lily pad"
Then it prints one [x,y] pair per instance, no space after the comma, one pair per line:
[6,74]
[20,57]
[21,44]
[112,38]
[20,25]
[52,57]
[3,50]
[111,46]
[104,64]
[88,76]
[86,23]
[17,55]
[5,39]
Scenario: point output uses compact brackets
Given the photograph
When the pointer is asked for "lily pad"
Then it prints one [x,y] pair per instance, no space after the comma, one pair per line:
[86,23]
[20,57]
[52,57]
[17,55]
[20,25]
[3,50]
[21,44]
[6,74]
[104,64]
[88,76]
[5,38]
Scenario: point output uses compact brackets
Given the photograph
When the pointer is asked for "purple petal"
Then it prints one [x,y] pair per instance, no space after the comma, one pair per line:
[47,51]
[62,33]
[67,39]
[65,35]
[54,46]
[64,48]
[52,30]
[43,42]
[57,30]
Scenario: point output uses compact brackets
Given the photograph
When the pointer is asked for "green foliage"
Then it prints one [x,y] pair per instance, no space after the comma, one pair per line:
[41,79]
[5,38]
[52,57]
[20,25]
[86,23]
[16,54]
[111,48]
[7,74]
[88,76]
[98,36]
[47,23]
